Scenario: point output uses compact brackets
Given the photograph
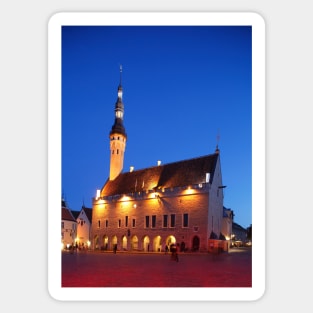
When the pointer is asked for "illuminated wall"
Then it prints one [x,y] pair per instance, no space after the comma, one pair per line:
[140,216]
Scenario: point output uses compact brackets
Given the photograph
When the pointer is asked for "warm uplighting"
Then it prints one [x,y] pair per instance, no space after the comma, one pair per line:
[155,195]
[189,190]
[125,198]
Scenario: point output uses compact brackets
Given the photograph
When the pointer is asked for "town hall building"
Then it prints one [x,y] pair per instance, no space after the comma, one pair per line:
[148,209]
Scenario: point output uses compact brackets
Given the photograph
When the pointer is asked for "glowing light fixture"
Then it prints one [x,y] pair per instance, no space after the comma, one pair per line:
[98,194]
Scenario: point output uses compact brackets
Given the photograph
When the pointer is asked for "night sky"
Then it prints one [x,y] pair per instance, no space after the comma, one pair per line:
[185,90]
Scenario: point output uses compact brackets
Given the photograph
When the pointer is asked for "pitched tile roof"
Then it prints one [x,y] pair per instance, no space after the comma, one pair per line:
[67,215]
[75,214]
[171,175]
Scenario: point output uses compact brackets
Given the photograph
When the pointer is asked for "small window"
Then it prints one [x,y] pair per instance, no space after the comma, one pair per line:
[147,221]
[172,220]
[106,223]
[98,223]
[119,223]
[153,225]
[126,221]
[134,222]
[185,220]
[165,220]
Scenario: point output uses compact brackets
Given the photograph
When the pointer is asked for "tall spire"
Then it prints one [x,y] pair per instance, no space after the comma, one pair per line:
[118,135]
[118,126]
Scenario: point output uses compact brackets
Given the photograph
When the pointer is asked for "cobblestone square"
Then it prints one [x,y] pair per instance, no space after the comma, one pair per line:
[106,269]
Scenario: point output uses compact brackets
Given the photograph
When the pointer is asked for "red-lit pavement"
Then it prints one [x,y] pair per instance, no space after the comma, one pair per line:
[106,269]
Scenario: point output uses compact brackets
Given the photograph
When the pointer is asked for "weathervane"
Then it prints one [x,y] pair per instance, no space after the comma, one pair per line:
[217,138]
[121,69]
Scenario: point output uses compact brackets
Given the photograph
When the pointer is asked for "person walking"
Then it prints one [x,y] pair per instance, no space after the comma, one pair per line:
[174,254]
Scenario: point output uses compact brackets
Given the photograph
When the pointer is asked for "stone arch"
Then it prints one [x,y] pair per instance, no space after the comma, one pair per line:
[134,243]
[146,244]
[105,242]
[124,243]
[157,244]
[96,243]
[169,241]
[195,243]
[114,241]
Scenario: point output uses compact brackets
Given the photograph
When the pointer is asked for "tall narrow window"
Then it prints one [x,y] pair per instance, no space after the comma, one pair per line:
[126,221]
[185,220]
[147,224]
[165,220]
[98,223]
[153,222]
[106,223]
[172,220]
[119,223]
[134,222]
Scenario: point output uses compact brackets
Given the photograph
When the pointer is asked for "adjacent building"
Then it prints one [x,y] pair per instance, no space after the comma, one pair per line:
[83,219]
[68,226]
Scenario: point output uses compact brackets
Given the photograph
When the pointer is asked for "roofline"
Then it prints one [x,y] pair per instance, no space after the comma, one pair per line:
[145,168]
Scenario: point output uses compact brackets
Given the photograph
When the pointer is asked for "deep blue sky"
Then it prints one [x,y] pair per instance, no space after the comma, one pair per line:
[184,87]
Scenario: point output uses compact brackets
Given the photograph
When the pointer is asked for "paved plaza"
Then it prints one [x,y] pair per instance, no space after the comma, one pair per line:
[106,269]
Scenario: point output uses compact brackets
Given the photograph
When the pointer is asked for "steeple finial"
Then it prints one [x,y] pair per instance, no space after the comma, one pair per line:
[121,70]
[217,141]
